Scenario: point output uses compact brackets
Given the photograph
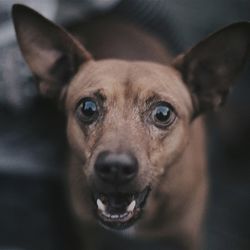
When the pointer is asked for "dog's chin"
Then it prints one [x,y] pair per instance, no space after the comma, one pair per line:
[118,211]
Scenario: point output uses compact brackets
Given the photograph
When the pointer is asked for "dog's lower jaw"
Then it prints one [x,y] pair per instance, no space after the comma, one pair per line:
[179,226]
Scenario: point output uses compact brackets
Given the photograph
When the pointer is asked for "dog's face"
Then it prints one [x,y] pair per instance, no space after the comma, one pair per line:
[127,122]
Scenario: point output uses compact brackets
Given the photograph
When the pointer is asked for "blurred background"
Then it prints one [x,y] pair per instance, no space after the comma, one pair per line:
[33,211]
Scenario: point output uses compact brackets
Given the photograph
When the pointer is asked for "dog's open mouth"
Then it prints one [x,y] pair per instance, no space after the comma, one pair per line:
[118,210]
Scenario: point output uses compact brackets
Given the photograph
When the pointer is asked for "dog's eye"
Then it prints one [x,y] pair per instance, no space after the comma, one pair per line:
[163,115]
[88,110]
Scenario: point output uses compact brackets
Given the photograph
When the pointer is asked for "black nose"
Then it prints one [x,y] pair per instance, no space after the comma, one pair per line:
[116,168]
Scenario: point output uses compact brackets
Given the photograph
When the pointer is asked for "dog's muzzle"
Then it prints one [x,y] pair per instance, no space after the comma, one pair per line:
[113,208]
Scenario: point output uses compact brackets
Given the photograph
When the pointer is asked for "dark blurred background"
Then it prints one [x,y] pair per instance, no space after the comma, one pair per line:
[33,211]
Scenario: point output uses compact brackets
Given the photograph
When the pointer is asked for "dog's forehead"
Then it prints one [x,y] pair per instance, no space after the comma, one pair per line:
[130,79]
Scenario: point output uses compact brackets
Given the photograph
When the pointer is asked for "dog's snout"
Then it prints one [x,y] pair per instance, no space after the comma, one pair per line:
[116,168]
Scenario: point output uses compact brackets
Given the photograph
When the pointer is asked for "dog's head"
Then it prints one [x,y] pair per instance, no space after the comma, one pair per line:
[127,122]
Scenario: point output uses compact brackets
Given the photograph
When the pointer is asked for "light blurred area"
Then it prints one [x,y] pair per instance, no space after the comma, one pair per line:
[33,213]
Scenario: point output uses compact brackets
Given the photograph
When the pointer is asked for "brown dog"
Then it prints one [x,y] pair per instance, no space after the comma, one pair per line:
[133,118]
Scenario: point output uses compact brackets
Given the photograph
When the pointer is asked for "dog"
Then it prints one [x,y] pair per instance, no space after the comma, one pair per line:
[134,119]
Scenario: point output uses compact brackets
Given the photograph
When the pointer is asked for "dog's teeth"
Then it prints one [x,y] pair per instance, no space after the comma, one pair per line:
[123,215]
[131,206]
[114,216]
[100,205]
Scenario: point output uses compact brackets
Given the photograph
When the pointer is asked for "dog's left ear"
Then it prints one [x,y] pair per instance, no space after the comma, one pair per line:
[52,54]
[210,67]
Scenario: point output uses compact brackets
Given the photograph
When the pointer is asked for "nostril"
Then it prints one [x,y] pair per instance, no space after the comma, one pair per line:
[127,170]
[105,169]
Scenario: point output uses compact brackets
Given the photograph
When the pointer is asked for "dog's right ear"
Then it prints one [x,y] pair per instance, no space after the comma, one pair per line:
[52,54]
[210,68]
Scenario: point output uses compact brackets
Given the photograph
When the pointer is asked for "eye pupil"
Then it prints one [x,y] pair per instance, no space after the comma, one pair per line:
[162,113]
[88,108]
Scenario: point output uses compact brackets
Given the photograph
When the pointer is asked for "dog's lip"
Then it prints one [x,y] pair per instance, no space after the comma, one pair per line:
[122,216]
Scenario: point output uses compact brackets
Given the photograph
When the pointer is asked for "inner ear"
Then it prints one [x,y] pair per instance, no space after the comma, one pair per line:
[52,54]
[210,68]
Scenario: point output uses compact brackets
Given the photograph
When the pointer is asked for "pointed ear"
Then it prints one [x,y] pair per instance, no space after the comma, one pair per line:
[52,54]
[210,67]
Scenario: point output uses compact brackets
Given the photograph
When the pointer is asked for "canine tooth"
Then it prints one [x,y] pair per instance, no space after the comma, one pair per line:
[106,214]
[114,216]
[131,206]
[100,205]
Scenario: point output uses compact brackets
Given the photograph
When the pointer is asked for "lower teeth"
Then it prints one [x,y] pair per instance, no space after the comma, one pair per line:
[123,215]
[116,216]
